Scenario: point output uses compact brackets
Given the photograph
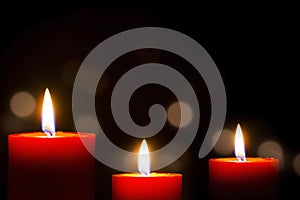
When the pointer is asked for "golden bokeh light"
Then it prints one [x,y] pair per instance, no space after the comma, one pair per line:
[22,104]
[271,149]
[225,142]
[296,164]
[180,114]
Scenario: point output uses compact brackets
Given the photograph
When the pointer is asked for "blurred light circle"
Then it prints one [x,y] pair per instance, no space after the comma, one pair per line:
[69,71]
[180,114]
[296,164]
[22,104]
[88,123]
[271,149]
[225,143]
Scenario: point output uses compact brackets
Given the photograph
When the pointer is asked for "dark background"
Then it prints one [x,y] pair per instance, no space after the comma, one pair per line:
[255,47]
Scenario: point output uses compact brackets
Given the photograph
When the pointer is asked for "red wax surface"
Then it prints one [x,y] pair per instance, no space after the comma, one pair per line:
[156,186]
[255,178]
[56,168]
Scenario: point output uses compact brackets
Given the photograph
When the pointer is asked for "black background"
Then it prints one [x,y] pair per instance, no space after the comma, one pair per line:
[255,47]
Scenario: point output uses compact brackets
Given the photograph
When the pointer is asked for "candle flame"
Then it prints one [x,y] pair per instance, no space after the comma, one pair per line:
[239,144]
[144,159]
[48,125]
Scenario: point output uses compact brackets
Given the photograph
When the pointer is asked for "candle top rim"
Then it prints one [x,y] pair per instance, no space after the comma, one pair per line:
[152,174]
[59,134]
[248,159]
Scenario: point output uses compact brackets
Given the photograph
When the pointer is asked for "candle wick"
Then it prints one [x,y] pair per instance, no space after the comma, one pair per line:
[48,132]
[241,158]
[145,173]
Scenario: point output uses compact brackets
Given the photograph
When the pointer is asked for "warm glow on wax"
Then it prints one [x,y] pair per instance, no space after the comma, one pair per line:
[48,125]
[144,159]
[239,144]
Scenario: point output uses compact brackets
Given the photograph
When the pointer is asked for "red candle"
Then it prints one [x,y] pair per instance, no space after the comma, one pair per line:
[241,177]
[145,185]
[52,166]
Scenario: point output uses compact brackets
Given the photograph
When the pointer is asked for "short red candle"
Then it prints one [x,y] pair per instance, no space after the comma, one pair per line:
[158,186]
[58,167]
[51,165]
[146,185]
[255,178]
[243,178]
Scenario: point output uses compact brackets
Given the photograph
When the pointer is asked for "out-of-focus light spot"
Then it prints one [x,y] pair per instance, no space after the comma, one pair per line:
[271,149]
[180,114]
[12,124]
[296,164]
[22,104]
[225,143]
[69,71]
[88,124]
[89,73]
[126,160]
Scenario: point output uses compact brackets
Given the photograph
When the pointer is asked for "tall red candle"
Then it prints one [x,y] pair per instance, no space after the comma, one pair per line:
[56,166]
[145,185]
[241,177]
